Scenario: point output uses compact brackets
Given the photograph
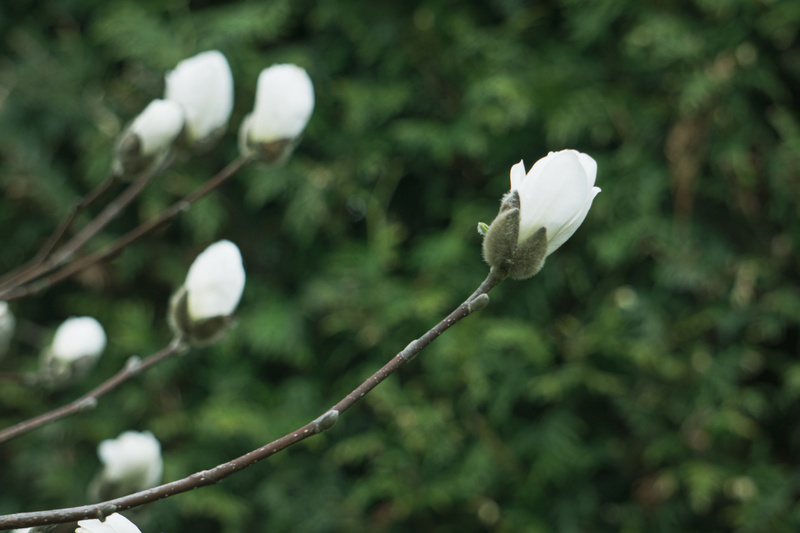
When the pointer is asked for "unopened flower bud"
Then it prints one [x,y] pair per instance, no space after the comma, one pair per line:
[201,310]
[284,103]
[131,462]
[149,137]
[203,85]
[115,523]
[7,324]
[542,210]
[76,346]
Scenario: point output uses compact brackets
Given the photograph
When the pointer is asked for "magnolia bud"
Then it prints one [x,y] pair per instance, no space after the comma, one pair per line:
[76,346]
[203,85]
[7,323]
[131,462]
[149,137]
[284,103]
[500,240]
[201,310]
[115,523]
[542,210]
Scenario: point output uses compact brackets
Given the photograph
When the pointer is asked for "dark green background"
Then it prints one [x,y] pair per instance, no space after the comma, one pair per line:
[647,380]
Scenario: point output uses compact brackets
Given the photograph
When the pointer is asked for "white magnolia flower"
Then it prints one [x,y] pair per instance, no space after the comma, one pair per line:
[284,103]
[132,460]
[556,194]
[115,523]
[76,338]
[203,85]
[215,281]
[7,324]
[157,126]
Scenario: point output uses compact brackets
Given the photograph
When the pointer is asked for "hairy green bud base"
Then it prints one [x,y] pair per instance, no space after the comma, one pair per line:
[501,247]
[197,332]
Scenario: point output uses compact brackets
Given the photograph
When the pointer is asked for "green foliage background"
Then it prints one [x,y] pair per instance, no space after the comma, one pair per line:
[647,380]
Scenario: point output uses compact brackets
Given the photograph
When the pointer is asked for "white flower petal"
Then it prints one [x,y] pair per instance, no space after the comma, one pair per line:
[517,175]
[78,337]
[203,85]
[158,125]
[215,281]
[552,197]
[590,166]
[284,103]
[115,523]
[537,168]
[570,227]
[133,458]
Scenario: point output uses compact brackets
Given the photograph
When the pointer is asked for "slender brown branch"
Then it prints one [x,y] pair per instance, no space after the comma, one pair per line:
[57,235]
[66,252]
[133,235]
[210,477]
[84,203]
[88,401]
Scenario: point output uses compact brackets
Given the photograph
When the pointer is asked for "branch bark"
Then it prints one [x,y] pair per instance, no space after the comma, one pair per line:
[71,268]
[475,302]
[88,401]
[58,234]
[67,251]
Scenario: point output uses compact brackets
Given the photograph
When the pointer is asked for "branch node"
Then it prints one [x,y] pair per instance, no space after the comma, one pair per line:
[180,345]
[478,303]
[133,363]
[61,257]
[105,511]
[88,404]
[326,421]
[410,351]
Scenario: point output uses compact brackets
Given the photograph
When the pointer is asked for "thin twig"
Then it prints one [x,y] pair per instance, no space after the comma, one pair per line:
[222,471]
[133,235]
[57,235]
[87,200]
[88,401]
[66,252]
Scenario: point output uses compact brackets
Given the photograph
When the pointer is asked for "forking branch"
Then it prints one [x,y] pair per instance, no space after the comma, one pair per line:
[56,237]
[475,302]
[76,265]
[541,211]
[48,260]
[133,367]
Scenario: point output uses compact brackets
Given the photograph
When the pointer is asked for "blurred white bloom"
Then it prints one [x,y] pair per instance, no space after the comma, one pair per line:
[132,460]
[77,344]
[284,103]
[201,311]
[556,194]
[215,281]
[157,126]
[7,323]
[203,85]
[149,137]
[115,523]
[78,337]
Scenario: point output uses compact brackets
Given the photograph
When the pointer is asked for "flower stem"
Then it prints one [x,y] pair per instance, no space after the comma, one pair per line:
[476,301]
